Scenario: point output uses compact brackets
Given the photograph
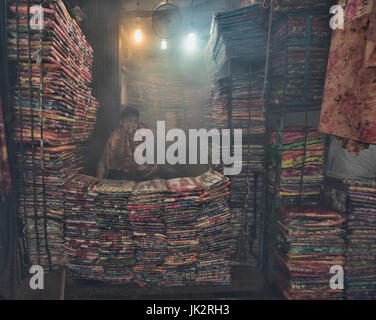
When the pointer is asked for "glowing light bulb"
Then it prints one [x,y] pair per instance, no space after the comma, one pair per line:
[164,44]
[190,43]
[138,35]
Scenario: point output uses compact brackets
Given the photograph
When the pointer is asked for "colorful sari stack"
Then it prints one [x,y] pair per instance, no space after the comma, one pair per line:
[62,105]
[149,232]
[310,240]
[236,34]
[301,43]
[247,106]
[116,252]
[216,113]
[215,235]
[301,165]
[81,229]
[181,210]
[41,199]
[360,267]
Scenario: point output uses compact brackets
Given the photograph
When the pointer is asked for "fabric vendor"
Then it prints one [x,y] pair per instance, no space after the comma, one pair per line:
[117,161]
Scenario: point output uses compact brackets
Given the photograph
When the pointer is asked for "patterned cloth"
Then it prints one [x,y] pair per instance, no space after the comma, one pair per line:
[348,109]
[310,241]
[5,180]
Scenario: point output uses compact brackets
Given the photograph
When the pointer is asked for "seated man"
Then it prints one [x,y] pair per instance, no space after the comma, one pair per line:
[117,161]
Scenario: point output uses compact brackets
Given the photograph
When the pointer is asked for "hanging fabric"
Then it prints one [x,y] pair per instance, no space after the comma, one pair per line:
[348,109]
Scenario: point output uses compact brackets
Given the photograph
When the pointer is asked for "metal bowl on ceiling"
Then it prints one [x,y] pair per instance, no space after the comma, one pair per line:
[167,19]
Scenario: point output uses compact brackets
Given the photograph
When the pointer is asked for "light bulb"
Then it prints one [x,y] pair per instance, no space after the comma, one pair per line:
[190,43]
[138,35]
[164,44]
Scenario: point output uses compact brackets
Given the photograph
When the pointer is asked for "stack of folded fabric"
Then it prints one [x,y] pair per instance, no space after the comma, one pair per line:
[81,230]
[214,223]
[360,267]
[301,165]
[236,34]
[160,93]
[66,58]
[288,5]
[149,233]
[298,75]
[181,209]
[247,106]
[216,107]
[116,252]
[41,199]
[116,256]
[310,242]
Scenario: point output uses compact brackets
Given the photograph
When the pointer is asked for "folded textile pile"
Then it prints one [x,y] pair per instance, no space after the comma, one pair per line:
[164,92]
[301,165]
[216,106]
[116,252]
[181,209]
[214,223]
[62,58]
[298,75]
[116,256]
[310,240]
[236,34]
[360,267]
[288,5]
[81,229]
[247,107]
[145,212]
[41,199]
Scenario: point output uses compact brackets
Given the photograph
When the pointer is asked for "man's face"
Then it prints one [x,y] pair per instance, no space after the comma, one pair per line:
[131,119]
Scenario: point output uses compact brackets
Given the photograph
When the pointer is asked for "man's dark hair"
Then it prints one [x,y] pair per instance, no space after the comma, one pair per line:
[129,112]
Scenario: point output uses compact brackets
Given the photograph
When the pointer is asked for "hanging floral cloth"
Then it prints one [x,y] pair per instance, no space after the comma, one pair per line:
[5,181]
[349,105]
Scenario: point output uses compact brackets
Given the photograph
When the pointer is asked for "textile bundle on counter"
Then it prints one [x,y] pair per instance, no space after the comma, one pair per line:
[301,165]
[300,49]
[310,242]
[116,250]
[181,210]
[5,180]
[215,241]
[62,105]
[348,109]
[360,267]
[236,34]
[149,232]
[41,195]
[81,230]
